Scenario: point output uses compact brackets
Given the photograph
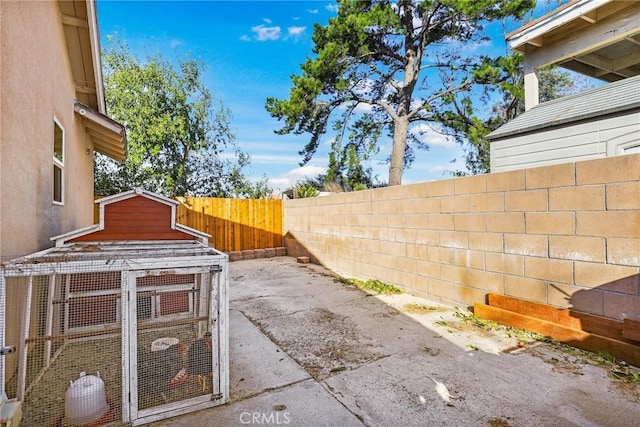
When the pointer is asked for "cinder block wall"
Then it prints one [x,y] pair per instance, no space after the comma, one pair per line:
[566,235]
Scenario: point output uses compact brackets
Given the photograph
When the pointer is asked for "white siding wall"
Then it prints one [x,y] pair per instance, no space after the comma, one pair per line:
[583,141]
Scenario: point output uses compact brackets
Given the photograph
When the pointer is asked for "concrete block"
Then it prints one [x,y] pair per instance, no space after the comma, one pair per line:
[269,252]
[491,242]
[529,200]
[259,253]
[443,187]
[608,224]
[577,248]
[550,223]
[525,244]
[505,263]
[281,251]
[592,274]
[618,306]
[505,181]
[469,222]
[248,254]
[623,251]
[470,184]
[454,204]
[526,288]
[441,221]
[610,169]
[488,202]
[235,255]
[302,259]
[508,222]
[586,198]
[552,270]
[550,176]
[623,196]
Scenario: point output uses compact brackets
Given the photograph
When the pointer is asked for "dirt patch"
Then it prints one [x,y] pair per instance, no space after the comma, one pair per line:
[423,309]
[567,359]
[321,341]
[498,422]
[469,328]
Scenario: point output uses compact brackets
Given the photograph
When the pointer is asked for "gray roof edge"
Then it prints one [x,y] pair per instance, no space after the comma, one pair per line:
[601,91]
[602,113]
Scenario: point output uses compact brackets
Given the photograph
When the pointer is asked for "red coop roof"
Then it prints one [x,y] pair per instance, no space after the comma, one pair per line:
[134,215]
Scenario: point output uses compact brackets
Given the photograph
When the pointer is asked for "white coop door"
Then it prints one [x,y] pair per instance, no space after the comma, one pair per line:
[173,345]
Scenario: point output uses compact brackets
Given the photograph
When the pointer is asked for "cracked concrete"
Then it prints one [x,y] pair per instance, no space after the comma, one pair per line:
[307,350]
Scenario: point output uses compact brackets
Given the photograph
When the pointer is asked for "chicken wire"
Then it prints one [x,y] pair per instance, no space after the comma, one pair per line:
[169,323]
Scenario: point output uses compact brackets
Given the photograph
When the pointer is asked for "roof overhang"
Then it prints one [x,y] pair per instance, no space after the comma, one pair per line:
[80,25]
[598,38]
[614,99]
[108,136]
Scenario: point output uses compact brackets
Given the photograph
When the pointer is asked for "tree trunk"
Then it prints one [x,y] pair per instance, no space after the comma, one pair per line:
[400,129]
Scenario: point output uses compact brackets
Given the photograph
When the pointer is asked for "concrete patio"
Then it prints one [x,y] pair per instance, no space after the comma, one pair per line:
[308,350]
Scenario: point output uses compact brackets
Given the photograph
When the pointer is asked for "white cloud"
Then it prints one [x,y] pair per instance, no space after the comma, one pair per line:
[433,137]
[313,11]
[175,43]
[274,159]
[332,7]
[245,38]
[266,33]
[296,31]
[288,179]
[267,20]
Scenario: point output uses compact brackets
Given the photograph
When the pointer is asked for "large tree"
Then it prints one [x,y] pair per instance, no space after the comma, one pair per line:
[376,54]
[470,118]
[176,133]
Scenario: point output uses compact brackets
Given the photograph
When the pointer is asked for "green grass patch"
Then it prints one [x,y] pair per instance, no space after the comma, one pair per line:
[522,335]
[375,286]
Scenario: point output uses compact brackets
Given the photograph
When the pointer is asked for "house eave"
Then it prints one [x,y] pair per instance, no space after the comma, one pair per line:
[108,136]
[556,18]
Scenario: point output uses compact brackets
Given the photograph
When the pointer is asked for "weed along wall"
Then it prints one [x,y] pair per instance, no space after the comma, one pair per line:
[566,236]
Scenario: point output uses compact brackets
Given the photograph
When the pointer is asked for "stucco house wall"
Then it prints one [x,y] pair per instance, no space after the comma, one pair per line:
[36,86]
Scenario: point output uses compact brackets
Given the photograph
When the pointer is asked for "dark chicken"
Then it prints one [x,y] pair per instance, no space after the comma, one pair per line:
[157,369]
[200,359]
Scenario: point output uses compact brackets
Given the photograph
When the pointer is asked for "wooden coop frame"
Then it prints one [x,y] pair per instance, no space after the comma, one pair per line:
[147,258]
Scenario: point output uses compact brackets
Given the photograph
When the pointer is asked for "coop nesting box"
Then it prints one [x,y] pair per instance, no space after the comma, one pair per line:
[137,297]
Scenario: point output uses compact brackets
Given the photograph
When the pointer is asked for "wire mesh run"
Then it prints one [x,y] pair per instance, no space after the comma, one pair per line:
[116,340]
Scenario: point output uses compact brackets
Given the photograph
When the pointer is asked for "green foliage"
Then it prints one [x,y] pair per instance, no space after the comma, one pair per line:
[375,286]
[365,81]
[341,184]
[304,191]
[175,131]
[502,78]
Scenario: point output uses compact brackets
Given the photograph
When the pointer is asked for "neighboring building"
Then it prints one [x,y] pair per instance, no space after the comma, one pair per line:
[598,38]
[52,120]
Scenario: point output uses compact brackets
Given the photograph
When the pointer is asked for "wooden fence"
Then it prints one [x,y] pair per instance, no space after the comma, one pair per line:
[234,224]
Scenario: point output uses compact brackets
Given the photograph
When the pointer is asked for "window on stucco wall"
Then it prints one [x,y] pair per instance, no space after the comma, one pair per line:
[58,162]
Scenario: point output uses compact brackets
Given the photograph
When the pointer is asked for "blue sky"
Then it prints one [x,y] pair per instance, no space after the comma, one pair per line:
[250,50]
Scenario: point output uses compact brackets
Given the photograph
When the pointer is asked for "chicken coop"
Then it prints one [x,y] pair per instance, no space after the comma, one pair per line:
[124,321]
